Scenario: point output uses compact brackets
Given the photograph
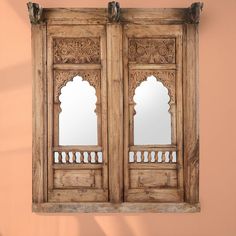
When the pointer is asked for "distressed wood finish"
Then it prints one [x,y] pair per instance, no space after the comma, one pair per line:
[115,50]
[126,207]
[148,45]
[39,145]
[72,51]
[115,111]
[191,123]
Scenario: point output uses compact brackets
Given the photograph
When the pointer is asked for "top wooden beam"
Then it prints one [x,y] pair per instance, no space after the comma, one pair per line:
[115,14]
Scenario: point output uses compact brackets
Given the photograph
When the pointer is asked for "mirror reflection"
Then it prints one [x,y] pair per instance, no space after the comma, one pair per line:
[77,119]
[152,121]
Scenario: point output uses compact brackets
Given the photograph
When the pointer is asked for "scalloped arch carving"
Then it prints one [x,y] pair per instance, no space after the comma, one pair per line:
[167,77]
[62,77]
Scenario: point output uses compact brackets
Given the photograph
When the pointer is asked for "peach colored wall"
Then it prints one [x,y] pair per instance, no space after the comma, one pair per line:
[217,130]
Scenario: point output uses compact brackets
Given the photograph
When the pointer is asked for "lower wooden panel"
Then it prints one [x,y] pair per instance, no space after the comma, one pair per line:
[78,195]
[153,178]
[103,207]
[77,178]
[153,195]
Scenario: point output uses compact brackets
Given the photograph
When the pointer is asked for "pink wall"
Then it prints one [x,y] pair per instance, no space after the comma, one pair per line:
[217,130]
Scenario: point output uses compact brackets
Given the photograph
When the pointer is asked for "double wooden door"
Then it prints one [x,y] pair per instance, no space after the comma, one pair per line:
[115,59]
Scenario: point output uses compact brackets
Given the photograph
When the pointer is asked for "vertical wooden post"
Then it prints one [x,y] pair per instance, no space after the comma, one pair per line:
[191,129]
[115,111]
[39,180]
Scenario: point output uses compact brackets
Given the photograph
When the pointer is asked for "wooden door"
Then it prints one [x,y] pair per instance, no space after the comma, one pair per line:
[153,172]
[77,173]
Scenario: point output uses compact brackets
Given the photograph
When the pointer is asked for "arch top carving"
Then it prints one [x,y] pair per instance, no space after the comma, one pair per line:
[61,77]
[167,77]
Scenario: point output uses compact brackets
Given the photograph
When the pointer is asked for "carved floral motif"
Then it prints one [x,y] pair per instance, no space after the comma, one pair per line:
[76,50]
[167,77]
[62,77]
[159,51]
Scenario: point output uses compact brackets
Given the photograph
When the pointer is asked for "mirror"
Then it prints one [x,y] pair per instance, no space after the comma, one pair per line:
[77,119]
[152,121]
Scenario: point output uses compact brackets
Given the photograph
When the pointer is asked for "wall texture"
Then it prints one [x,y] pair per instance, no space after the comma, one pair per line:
[217,132]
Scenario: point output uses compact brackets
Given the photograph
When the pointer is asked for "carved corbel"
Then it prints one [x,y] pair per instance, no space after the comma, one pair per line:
[113,11]
[194,12]
[35,13]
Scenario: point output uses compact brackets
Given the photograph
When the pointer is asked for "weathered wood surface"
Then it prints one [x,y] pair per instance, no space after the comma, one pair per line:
[179,24]
[115,111]
[39,145]
[151,178]
[191,121]
[78,178]
[77,195]
[116,208]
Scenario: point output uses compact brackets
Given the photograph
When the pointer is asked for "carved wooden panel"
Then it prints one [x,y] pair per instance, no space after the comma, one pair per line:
[61,77]
[76,50]
[158,51]
[167,77]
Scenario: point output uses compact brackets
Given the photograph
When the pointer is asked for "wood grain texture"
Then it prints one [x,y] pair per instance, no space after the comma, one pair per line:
[57,186]
[77,178]
[151,178]
[39,144]
[126,207]
[128,15]
[191,122]
[154,195]
[77,195]
[115,111]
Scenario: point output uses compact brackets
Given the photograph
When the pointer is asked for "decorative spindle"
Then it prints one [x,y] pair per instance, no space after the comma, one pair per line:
[81,157]
[149,156]
[163,156]
[73,157]
[67,157]
[170,156]
[89,157]
[142,156]
[96,157]
[59,157]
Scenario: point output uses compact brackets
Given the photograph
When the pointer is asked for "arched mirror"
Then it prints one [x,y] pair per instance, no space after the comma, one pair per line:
[152,119]
[77,119]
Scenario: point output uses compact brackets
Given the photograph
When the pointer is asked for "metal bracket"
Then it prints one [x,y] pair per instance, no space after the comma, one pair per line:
[194,12]
[113,11]
[35,12]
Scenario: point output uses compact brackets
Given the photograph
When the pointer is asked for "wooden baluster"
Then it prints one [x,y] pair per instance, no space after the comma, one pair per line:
[59,157]
[81,157]
[135,156]
[73,157]
[163,156]
[156,156]
[89,157]
[142,156]
[149,157]
[67,157]
[96,157]
[170,156]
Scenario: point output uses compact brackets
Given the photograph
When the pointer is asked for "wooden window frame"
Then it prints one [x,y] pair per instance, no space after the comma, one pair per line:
[187,17]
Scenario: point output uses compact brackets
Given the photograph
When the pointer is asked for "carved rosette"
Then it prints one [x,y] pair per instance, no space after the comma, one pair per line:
[76,50]
[158,51]
[61,77]
[167,77]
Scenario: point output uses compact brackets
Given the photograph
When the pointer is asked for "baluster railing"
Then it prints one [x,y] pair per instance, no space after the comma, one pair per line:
[72,156]
[144,154]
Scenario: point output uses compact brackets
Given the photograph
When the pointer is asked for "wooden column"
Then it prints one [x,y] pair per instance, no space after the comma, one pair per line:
[39,114]
[191,123]
[115,111]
